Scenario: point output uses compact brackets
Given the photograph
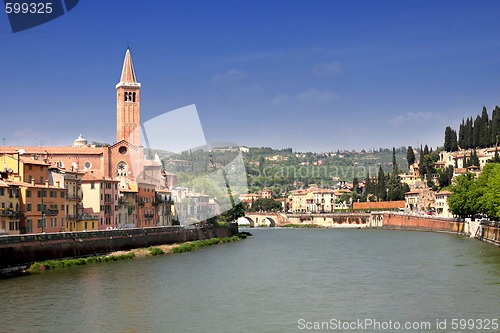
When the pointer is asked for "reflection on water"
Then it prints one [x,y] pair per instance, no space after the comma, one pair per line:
[266,284]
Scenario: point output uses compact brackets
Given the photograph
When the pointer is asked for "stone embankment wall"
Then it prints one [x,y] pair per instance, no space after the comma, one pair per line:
[25,249]
[401,221]
[489,233]
[330,220]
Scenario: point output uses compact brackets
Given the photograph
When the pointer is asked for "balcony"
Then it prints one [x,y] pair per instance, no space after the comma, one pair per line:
[51,211]
[74,197]
[89,217]
[10,213]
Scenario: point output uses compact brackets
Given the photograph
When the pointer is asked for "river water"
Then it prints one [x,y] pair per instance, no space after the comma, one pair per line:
[279,280]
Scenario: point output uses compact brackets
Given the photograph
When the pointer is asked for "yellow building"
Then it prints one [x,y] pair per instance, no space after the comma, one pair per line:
[10,214]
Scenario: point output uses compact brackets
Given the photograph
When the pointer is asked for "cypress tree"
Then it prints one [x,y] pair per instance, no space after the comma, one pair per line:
[469,137]
[454,142]
[381,187]
[476,141]
[447,139]
[484,135]
[410,156]
[461,134]
[421,165]
[394,163]
[495,126]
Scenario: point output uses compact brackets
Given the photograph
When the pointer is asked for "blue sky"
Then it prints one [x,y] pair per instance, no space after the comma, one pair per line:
[311,75]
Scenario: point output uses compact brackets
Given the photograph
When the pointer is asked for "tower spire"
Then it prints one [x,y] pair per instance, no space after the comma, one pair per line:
[128,104]
[128,73]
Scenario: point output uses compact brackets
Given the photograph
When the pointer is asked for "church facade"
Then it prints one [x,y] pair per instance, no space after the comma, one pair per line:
[121,165]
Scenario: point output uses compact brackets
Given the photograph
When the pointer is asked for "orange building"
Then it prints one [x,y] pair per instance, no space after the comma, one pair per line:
[101,172]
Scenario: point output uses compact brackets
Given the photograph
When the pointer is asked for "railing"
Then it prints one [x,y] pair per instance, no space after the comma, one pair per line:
[11,213]
[89,217]
[51,211]
[77,197]
[149,215]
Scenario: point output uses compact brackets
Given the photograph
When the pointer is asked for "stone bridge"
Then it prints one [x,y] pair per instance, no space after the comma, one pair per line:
[262,219]
[271,219]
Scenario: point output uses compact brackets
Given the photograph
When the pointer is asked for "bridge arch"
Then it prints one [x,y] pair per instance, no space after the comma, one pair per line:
[246,221]
[259,220]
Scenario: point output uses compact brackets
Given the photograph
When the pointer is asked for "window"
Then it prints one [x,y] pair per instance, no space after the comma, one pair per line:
[87,165]
[92,185]
[41,179]
[30,167]
[41,168]
[62,208]
[30,178]
[28,207]
[28,194]
[62,194]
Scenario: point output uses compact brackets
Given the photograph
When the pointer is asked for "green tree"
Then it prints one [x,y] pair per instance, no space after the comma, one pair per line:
[488,189]
[266,205]
[461,202]
[445,176]
[410,156]
[394,163]
[381,185]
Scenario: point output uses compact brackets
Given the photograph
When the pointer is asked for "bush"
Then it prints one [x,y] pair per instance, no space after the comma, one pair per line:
[155,251]
[191,246]
[62,263]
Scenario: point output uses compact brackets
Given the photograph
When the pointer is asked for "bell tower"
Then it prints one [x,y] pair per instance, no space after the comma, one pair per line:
[128,104]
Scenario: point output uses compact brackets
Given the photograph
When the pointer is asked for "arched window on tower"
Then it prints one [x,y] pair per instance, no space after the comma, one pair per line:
[133,97]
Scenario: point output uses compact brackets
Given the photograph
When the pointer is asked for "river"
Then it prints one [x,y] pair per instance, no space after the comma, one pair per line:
[279,280]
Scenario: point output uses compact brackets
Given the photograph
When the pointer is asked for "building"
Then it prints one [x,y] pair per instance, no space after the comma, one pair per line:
[420,201]
[87,187]
[442,208]
[10,213]
[100,200]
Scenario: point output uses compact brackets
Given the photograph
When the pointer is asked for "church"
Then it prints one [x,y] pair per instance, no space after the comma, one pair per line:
[124,160]
[107,186]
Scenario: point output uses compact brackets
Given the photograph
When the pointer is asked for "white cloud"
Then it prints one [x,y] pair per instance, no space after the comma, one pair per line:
[308,96]
[329,69]
[317,96]
[232,75]
[281,99]
[413,117]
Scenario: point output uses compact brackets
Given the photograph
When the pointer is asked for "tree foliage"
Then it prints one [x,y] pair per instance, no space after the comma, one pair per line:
[265,205]
[410,156]
[477,196]
[481,132]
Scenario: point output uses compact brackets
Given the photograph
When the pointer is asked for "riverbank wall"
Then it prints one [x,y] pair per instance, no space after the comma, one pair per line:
[23,250]
[410,222]
[330,220]
[487,232]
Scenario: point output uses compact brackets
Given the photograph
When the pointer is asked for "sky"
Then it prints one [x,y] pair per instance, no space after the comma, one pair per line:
[309,75]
